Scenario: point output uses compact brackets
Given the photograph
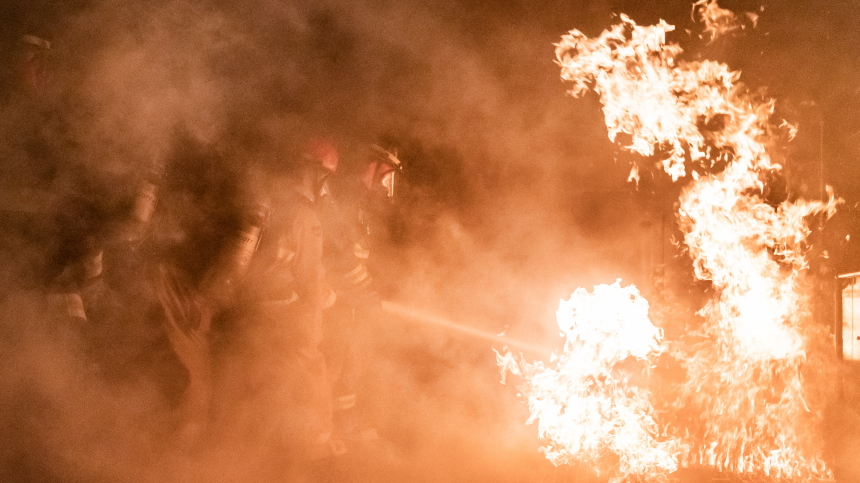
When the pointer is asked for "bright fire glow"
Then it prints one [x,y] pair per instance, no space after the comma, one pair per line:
[584,401]
[743,406]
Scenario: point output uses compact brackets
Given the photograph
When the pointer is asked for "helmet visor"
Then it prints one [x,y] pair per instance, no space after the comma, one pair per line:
[388,183]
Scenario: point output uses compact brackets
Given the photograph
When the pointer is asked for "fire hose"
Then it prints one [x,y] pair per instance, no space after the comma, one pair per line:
[420,317]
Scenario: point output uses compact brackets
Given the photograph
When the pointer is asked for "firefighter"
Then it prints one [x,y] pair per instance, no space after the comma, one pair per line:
[274,374]
[75,277]
[30,167]
[120,332]
[182,312]
[151,323]
[48,223]
[378,182]
[203,248]
[339,236]
[346,232]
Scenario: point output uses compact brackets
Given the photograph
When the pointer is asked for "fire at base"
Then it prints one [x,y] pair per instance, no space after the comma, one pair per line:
[744,386]
[584,401]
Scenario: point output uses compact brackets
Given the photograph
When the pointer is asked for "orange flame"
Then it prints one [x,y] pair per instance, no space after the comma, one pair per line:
[586,406]
[716,21]
[743,407]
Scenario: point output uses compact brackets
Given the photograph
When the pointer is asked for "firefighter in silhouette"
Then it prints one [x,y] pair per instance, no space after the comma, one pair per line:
[347,234]
[273,368]
[149,324]
[202,262]
[33,163]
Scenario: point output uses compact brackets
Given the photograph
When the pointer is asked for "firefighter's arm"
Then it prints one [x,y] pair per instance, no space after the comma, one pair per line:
[359,279]
[187,320]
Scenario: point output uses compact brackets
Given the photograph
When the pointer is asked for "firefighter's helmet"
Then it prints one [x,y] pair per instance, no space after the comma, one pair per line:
[382,167]
[321,153]
[322,156]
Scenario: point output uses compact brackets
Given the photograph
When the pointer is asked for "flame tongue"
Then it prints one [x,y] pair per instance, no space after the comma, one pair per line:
[693,109]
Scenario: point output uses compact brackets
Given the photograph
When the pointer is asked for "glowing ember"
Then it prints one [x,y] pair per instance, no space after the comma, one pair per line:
[743,406]
[586,406]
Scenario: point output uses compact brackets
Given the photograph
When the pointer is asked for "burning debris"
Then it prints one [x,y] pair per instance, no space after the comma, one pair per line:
[744,384]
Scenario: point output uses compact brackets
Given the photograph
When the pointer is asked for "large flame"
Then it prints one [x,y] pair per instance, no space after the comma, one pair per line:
[584,401]
[744,385]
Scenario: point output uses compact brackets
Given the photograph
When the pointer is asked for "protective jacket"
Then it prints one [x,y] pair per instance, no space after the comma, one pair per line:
[280,366]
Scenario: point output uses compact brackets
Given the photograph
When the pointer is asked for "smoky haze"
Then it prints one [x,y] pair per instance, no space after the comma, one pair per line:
[512,198]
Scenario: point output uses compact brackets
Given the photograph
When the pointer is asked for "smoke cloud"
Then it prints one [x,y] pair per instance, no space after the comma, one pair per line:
[512,198]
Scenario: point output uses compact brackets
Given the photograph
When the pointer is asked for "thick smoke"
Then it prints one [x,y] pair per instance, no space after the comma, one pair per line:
[512,198]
